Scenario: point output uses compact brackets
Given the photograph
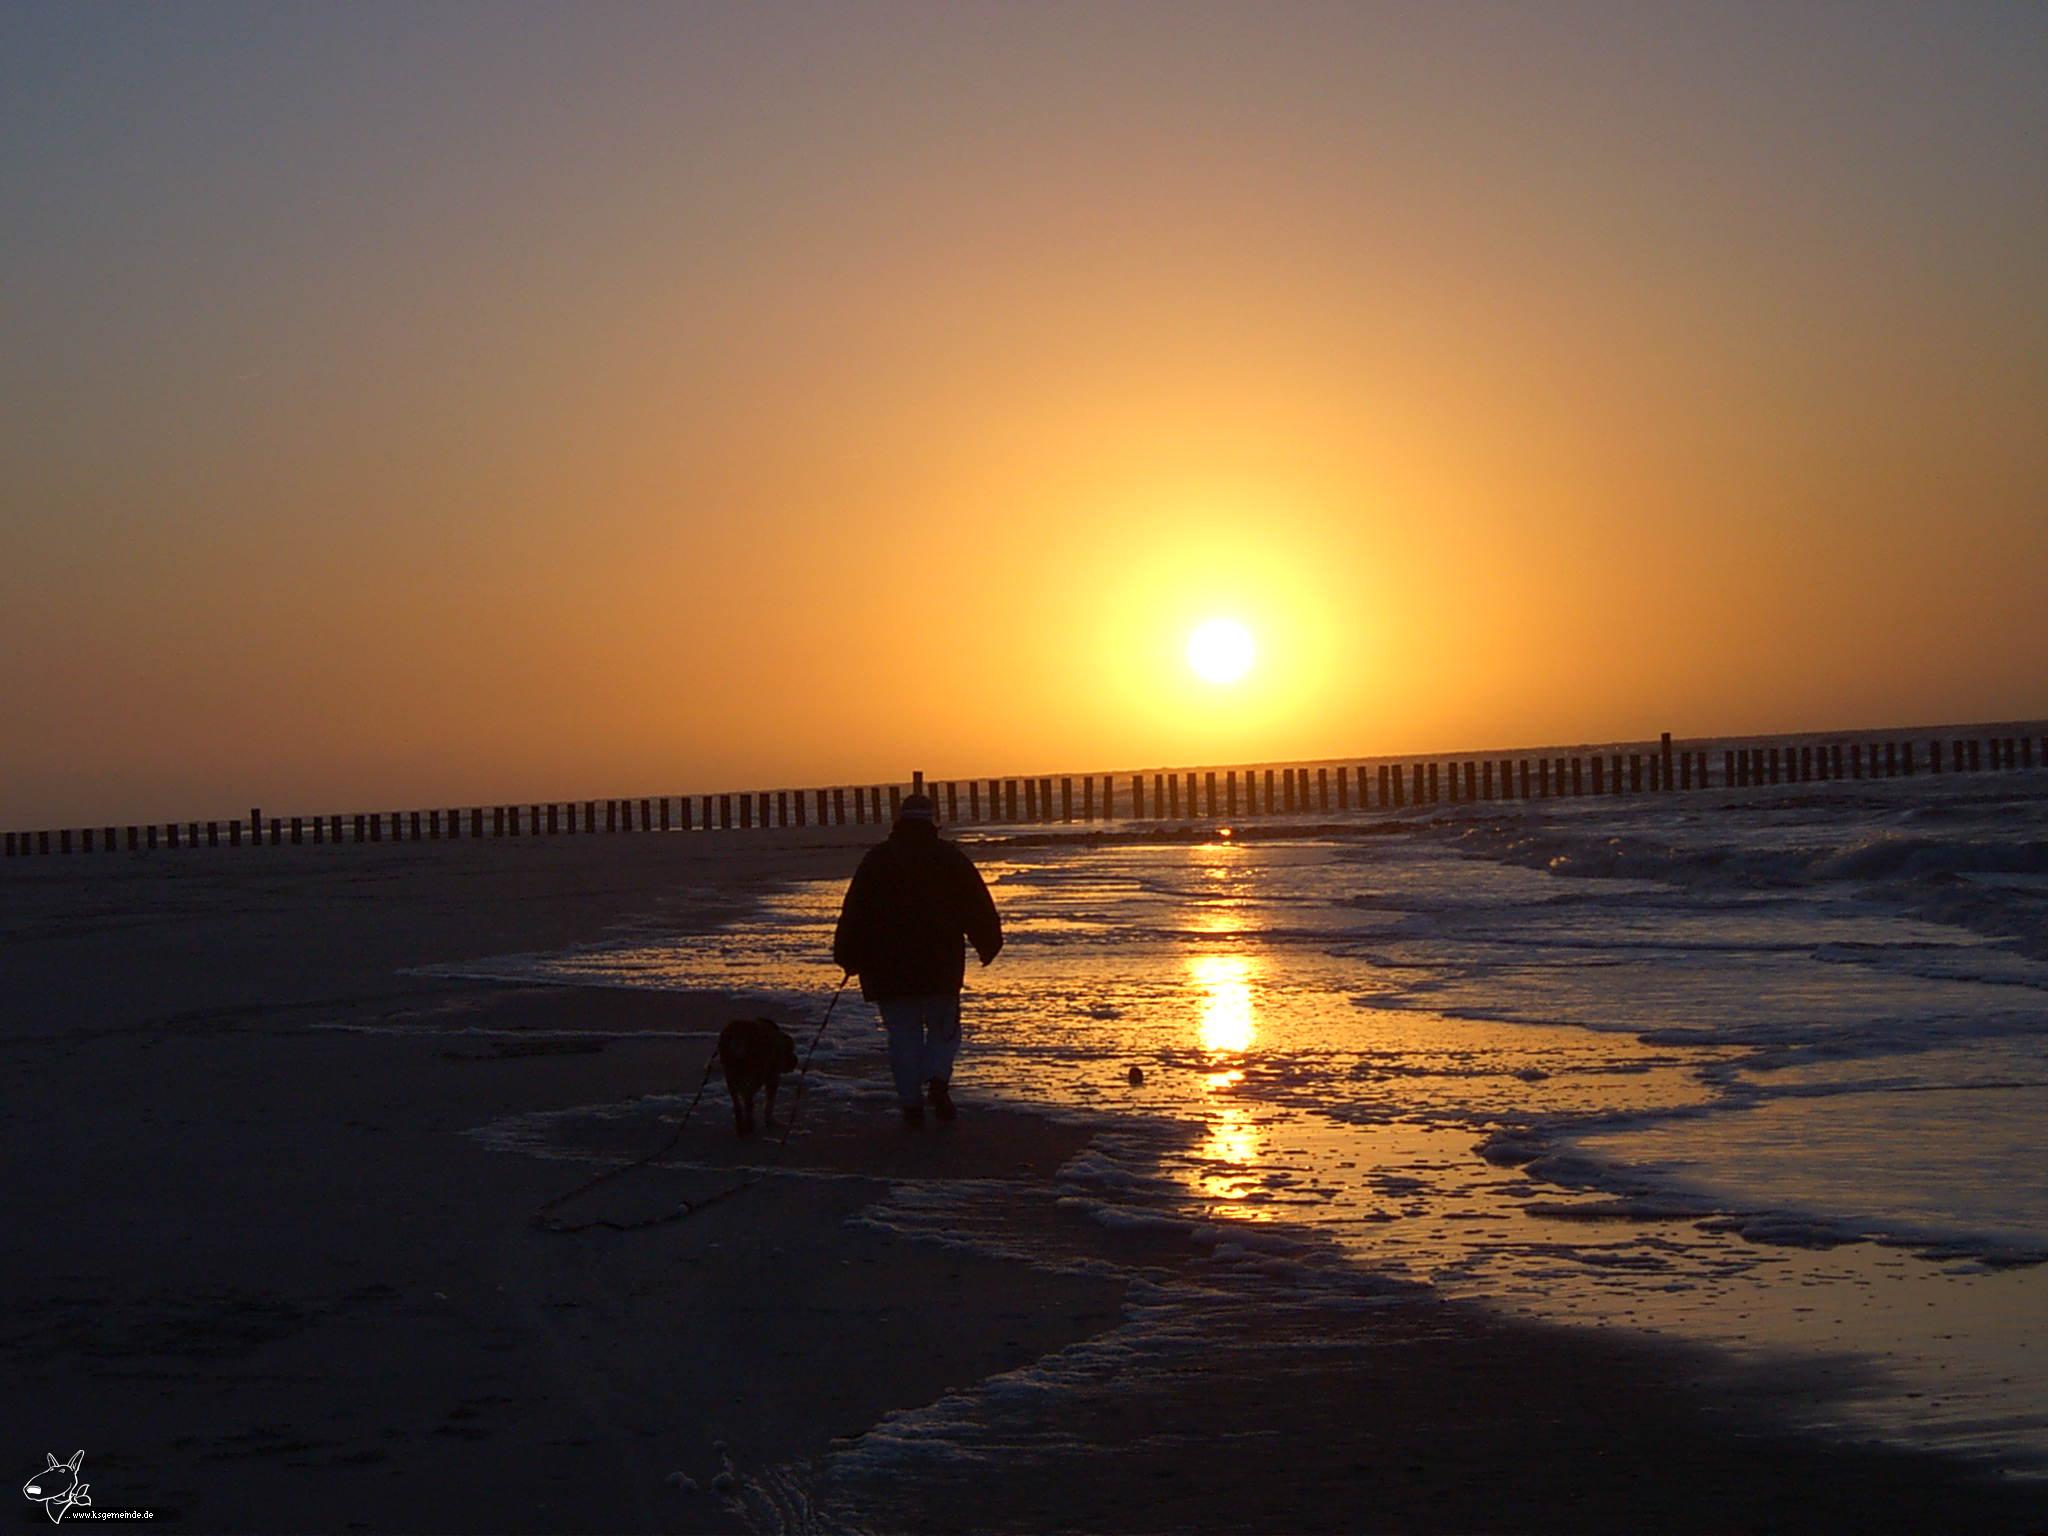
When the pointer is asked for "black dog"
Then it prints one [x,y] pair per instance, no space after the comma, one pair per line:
[754,1054]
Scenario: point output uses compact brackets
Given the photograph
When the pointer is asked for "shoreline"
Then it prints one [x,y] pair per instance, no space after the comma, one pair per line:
[300,1292]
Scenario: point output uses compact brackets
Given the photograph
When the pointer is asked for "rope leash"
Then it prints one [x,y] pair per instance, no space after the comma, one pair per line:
[545,1219]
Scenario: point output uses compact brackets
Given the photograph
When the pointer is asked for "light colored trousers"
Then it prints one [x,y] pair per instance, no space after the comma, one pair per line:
[924,1037]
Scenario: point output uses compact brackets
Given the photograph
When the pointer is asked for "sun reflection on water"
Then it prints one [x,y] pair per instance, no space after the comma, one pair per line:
[1224,983]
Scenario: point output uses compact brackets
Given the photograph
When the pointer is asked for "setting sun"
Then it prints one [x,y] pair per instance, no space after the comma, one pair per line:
[1221,651]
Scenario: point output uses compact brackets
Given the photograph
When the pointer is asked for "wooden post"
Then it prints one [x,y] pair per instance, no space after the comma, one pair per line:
[953,799]
[916,782]
[838,808]
[297,837]
[1138,795]
[1322,789]
[1173,797]
[1009,799]
[1522,777]
[1976,756]
[1209,795]
[1344,786]
[895,802]
[974,800]
[1066,797]
[1383,777]
[1635,773]
[1543,778]
[1031,799]
[1472,782]
[1393,771]
[1230,793]
[2026,751]
[1486,779]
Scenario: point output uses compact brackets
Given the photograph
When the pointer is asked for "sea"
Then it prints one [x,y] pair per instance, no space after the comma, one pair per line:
[1763,1069]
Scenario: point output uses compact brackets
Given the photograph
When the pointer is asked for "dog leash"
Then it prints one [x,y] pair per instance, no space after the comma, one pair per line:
[545,1219]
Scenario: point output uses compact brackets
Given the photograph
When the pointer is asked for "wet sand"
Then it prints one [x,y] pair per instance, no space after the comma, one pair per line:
[261,1269]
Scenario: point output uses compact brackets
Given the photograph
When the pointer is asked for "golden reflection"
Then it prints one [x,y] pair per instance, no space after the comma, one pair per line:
[1225,985]
[1232,1138]
[1228,1165]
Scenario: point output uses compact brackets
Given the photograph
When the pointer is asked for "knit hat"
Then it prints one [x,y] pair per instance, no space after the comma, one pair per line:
[917,808]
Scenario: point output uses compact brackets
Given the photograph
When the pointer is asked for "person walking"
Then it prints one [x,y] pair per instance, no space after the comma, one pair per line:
[911,902]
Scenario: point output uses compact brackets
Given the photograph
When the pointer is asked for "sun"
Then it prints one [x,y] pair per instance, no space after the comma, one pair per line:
[1221,651]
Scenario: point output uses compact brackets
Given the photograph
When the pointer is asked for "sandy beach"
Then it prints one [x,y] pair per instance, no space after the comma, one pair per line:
[264,1271]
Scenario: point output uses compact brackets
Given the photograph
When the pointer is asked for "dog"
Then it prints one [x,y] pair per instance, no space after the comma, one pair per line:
[754,1053]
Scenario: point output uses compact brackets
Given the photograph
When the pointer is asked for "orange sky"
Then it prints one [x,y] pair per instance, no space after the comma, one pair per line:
[502,404]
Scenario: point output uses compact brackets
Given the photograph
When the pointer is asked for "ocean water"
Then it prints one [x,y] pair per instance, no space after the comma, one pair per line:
[1765,1069]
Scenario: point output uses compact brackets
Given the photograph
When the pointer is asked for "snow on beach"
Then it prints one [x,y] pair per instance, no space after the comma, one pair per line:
[1762,1068]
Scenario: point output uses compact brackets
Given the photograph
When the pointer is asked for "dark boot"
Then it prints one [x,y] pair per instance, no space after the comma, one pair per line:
[913,1115]
[942,1099]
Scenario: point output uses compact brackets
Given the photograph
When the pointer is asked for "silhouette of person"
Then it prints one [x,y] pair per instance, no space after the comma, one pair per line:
[911,902]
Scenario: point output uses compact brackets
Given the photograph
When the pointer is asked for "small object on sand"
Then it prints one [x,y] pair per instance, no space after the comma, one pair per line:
[682,1482]
[1137,1077]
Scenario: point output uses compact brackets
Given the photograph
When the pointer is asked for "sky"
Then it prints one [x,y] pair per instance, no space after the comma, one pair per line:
[446,404]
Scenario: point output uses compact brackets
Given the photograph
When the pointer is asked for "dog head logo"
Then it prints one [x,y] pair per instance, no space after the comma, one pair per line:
[57,1487]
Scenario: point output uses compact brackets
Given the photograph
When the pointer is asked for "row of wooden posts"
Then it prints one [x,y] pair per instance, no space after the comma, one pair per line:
[1179,795]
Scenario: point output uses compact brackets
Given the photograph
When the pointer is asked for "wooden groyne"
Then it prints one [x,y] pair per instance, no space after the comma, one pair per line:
[1163,795]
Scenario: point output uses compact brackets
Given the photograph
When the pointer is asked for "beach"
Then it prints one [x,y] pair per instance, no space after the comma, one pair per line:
[282,1119]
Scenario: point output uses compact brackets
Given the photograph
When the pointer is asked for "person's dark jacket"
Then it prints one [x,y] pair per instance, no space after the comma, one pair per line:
[912,900]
